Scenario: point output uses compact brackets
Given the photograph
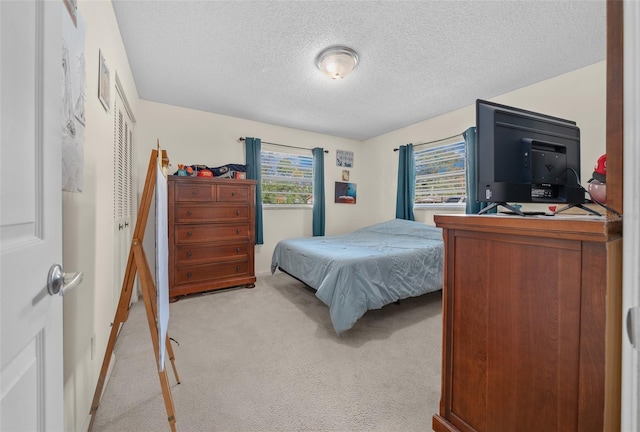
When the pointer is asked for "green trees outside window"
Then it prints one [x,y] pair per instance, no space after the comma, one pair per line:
[287,178]
[440,174]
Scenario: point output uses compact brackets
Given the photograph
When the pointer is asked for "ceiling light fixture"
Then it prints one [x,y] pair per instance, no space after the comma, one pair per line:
[337,61]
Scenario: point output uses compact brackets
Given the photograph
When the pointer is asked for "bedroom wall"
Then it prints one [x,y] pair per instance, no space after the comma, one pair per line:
[579,95]
[88,224]
[197,137]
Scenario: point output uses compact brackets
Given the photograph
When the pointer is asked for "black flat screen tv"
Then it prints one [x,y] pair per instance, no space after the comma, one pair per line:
[526,157]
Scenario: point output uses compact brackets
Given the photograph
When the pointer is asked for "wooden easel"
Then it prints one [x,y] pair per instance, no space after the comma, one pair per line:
[137,262]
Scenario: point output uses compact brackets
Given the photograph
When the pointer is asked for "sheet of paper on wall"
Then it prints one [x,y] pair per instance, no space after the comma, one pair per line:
[162,261]
[73,97]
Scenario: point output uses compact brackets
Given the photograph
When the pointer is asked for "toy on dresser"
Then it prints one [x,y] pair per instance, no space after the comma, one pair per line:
[598,182]
[235,171]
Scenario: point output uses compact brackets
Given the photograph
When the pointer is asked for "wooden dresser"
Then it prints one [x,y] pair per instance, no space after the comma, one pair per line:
[211,234]
[531,324]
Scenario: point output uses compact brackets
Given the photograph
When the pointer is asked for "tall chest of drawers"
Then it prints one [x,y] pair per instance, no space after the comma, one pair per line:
[211,234]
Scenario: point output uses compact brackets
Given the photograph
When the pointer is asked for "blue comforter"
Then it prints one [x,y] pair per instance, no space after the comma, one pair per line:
[365,269]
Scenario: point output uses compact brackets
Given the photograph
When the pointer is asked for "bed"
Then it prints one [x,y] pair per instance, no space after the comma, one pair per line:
[367,268]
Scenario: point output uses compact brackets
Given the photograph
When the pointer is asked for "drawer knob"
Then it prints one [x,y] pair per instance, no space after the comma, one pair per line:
[238,231]
[189,233]
[237,212]
[194,191]
[237,250]
[189,253]
[189,274]
[188,212]
[233,194]
[237,268]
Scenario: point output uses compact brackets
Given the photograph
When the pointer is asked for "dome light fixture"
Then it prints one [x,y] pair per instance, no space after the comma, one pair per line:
[337,62]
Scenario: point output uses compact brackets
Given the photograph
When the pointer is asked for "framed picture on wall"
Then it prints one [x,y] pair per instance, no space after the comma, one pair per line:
[104,83]
[345,175]
[345,193]
[344,158]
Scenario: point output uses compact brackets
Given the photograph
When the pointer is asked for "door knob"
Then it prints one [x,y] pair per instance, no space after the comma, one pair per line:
[61,283]
[633,327]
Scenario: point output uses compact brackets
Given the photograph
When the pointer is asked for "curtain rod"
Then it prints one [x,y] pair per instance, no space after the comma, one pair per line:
[283,145]
[434,141]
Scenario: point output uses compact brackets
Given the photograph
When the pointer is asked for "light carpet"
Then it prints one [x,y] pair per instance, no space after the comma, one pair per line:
[268,359]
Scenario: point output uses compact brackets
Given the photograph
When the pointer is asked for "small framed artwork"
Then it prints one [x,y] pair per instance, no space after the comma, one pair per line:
[240,175]
[344,158]
[345,175]
[345,193]
[104,83]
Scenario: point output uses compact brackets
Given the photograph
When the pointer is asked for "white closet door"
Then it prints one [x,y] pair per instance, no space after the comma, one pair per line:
[123,209]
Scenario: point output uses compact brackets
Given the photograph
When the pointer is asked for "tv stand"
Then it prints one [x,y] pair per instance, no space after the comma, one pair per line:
[503,204]
[583,207]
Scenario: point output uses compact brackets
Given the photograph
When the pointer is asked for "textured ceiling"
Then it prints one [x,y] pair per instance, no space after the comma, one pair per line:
[418,59]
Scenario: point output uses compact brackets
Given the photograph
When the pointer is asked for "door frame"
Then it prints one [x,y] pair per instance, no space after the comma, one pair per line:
[631,221]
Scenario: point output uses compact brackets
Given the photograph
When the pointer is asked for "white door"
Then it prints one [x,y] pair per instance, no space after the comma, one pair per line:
[631,221]
[123,208]
[31,374]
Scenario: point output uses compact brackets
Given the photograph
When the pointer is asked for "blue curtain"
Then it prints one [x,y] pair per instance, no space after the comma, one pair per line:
[473,206]
[318,192]
[254,172]
[406,183]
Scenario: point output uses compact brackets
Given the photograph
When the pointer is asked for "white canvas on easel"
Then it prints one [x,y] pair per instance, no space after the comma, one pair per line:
[162,260]
[156,299]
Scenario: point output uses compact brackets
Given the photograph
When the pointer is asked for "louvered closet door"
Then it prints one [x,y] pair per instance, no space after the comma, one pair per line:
[123,209]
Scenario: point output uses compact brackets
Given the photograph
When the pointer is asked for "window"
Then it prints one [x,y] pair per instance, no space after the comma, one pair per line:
[440,174]
[287,178]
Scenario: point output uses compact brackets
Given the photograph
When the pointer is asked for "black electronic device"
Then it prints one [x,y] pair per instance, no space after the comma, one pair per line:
[526,157]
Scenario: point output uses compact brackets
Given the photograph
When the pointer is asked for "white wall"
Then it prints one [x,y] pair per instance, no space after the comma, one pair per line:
[197,137]
[579,96]
[88,222]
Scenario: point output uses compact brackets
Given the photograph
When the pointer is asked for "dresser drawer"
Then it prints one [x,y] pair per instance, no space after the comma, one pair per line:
[233,193]
[197,273]
[199,254]
[186,212]
[210,232]
[194,192]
